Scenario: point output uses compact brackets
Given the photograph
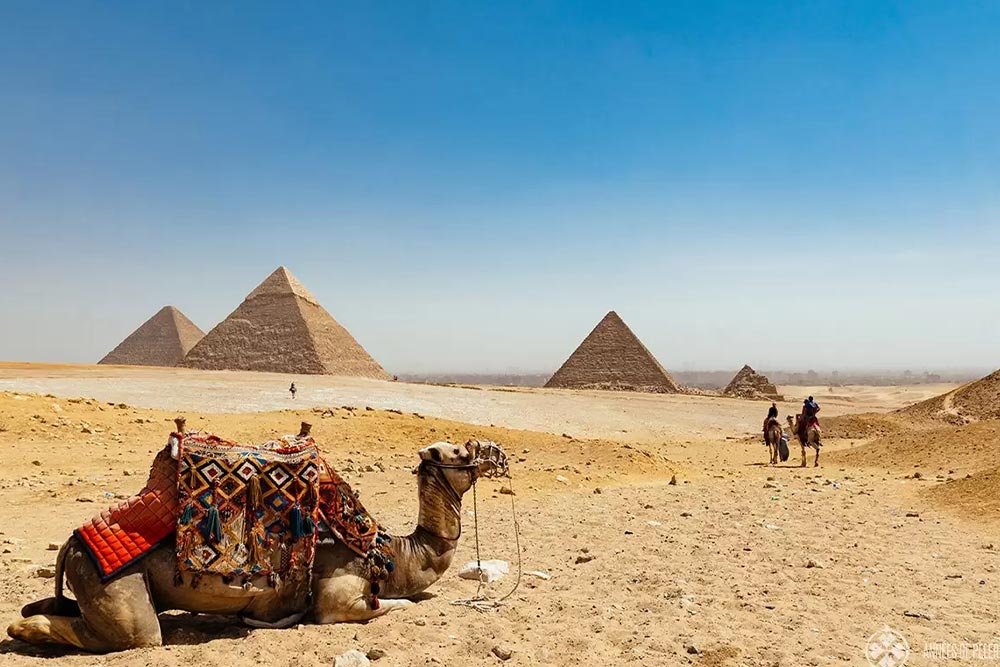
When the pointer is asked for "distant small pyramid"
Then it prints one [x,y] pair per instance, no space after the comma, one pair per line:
[612,357]
[162,340]
[281,328]
[748,383]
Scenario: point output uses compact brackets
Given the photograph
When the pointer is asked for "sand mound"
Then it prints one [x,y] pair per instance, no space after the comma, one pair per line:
[748,383]
[865,426]
[948,451]
[976,401]
[977,494]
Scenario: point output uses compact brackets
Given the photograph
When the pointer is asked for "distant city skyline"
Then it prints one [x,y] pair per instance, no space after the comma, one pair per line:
[470,187]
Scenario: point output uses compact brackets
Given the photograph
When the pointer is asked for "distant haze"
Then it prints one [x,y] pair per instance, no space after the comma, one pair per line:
[469,188]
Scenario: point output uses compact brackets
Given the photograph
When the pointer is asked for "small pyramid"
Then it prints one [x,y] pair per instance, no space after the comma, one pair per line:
[748,383]
[281,328]
[162,340]
[612,357]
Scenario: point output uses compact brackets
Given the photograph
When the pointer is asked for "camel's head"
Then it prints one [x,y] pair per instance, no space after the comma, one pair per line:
[462,465]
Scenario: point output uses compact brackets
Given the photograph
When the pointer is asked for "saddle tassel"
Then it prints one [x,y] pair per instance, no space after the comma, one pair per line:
[298,527]
[213,522]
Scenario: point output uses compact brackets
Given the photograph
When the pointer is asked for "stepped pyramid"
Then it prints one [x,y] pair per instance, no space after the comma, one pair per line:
[748,383]
[611,357]
[281,328]
[162,340]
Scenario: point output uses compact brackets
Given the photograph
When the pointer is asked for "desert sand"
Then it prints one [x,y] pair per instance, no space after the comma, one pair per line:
[736,564]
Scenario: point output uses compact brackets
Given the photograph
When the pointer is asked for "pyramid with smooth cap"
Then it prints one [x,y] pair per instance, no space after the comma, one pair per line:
[281,328]
[162,340]
[748,383]
[612,357]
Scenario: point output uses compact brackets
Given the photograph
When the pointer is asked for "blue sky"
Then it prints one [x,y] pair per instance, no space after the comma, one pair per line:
[471,186]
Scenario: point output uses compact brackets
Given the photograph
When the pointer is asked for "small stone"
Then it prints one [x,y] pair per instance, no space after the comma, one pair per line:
[597,491]
[692,649]
[912,613]
[84,499]
[420,622]
[584,559]
[561,479]
[352,658]
[912,515]
[53,546]
[375,653]
[45,572]
[506,491]
[36,463]
[814,564]
[502,652]
[673,480]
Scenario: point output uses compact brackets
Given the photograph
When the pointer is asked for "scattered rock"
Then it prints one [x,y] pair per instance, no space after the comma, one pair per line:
[45,572]
[673,480]
[912,613]
[485,570]
[814,564]
[584,559]
[84,499]
[375,653]
[507,491]
[597,491]
[692,649]
[53,546]
[352,658]
[502,652]
[561,479]
[912,515]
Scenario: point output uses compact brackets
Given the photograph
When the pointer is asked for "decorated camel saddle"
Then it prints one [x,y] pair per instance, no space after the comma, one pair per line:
[247,513]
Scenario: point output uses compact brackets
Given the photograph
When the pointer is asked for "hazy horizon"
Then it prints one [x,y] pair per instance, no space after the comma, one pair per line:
[471,187]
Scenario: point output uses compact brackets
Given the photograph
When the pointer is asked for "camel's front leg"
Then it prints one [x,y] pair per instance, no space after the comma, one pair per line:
[803,456]
[816,463]
[344,598]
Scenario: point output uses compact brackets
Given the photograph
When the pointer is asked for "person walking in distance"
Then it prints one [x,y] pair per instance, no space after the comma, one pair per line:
[292,390]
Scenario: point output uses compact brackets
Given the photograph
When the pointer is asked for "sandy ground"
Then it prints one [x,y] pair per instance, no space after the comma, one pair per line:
[737,564]
[623,415]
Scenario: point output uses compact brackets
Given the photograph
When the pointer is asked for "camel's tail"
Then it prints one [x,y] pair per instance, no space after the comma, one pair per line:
[60,605]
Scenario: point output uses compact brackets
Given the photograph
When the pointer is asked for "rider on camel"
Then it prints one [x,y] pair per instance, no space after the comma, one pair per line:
[772,413]
[809,409]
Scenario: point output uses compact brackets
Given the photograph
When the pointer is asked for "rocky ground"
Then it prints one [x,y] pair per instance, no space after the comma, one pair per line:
[737,563]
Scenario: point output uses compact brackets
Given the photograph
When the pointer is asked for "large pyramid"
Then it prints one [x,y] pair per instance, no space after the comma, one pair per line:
[748,383]
[281,328]
[162,340]
[611,357]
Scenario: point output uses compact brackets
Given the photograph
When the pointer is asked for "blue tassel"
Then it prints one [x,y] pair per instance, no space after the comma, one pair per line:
[186,515]
[298,530]
[213,525]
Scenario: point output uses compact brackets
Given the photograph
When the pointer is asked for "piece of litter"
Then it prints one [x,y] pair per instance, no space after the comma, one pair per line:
[485,570]
[538,573]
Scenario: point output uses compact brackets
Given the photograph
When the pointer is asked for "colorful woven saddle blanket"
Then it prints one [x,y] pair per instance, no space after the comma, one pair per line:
[247,511]
[270,502]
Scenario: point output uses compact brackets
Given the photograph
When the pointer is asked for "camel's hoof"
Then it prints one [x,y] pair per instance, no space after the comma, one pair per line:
[34,630]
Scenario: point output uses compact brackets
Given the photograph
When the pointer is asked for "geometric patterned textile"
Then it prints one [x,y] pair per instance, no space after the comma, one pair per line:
[247,511]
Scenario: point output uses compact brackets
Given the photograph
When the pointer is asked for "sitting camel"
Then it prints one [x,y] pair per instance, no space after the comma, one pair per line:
[121,613]
[810,437]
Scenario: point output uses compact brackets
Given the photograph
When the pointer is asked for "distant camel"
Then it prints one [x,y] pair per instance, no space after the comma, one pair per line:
[811,438]
[772,436]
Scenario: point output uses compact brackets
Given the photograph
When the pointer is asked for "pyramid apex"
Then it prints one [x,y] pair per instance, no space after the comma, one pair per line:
[281,282]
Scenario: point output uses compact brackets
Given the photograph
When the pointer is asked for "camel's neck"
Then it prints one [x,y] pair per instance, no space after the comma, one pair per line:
[425,554]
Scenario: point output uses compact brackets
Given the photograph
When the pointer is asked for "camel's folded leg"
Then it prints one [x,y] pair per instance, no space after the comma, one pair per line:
[344,599]
[65,630]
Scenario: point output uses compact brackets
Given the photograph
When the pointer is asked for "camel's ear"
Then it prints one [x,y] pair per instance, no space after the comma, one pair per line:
[472,446]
